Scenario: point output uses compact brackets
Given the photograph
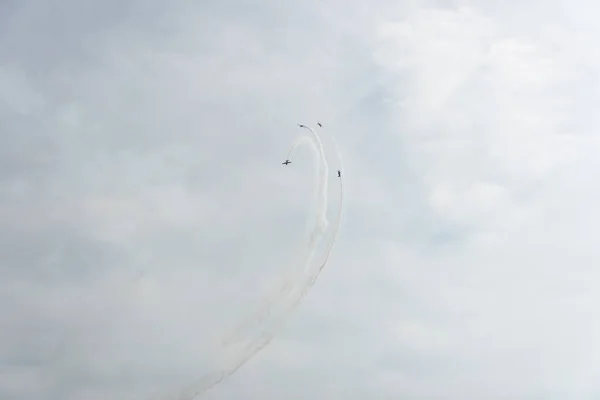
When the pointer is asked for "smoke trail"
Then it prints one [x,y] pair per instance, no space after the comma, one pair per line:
[287,296]
[341,161]
[322,185]
[302,261]
[321,225]
[267,336]
[313,275]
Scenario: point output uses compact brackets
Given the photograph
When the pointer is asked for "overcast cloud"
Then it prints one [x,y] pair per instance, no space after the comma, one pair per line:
[144,139]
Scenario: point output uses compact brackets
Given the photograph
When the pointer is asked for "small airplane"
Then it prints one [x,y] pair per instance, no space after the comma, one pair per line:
[302,126]
[318,123]
[339,173]
[286,162]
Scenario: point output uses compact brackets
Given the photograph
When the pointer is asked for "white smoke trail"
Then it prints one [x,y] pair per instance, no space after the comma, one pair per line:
[288,296]
[290,277]
[341,163]
[322,185]
[321,224]
[312,276]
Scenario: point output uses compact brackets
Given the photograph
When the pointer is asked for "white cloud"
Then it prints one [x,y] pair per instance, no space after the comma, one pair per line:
[487,117]
[16,93]
[149,139]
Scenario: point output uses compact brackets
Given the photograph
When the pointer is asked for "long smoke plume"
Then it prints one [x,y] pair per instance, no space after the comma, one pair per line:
[238,346]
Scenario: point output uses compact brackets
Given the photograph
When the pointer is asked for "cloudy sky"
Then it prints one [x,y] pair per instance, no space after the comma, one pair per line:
[143,206]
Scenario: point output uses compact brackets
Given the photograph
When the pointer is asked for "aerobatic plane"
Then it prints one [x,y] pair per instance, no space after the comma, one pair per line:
[318,123]
[302,126]
[339,173]
[286,162]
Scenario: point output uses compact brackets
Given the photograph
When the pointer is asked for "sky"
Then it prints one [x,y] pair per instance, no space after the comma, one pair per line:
[144,209]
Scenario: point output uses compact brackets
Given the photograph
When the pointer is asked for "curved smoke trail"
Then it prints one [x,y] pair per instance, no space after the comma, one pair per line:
[236,334]
[342,167]
[321,184]
[287,282]
[286,294]
[312,276]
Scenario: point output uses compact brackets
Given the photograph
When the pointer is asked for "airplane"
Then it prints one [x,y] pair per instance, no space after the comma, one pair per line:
[318,123]
[339,173]
[286,162]
[301,126]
